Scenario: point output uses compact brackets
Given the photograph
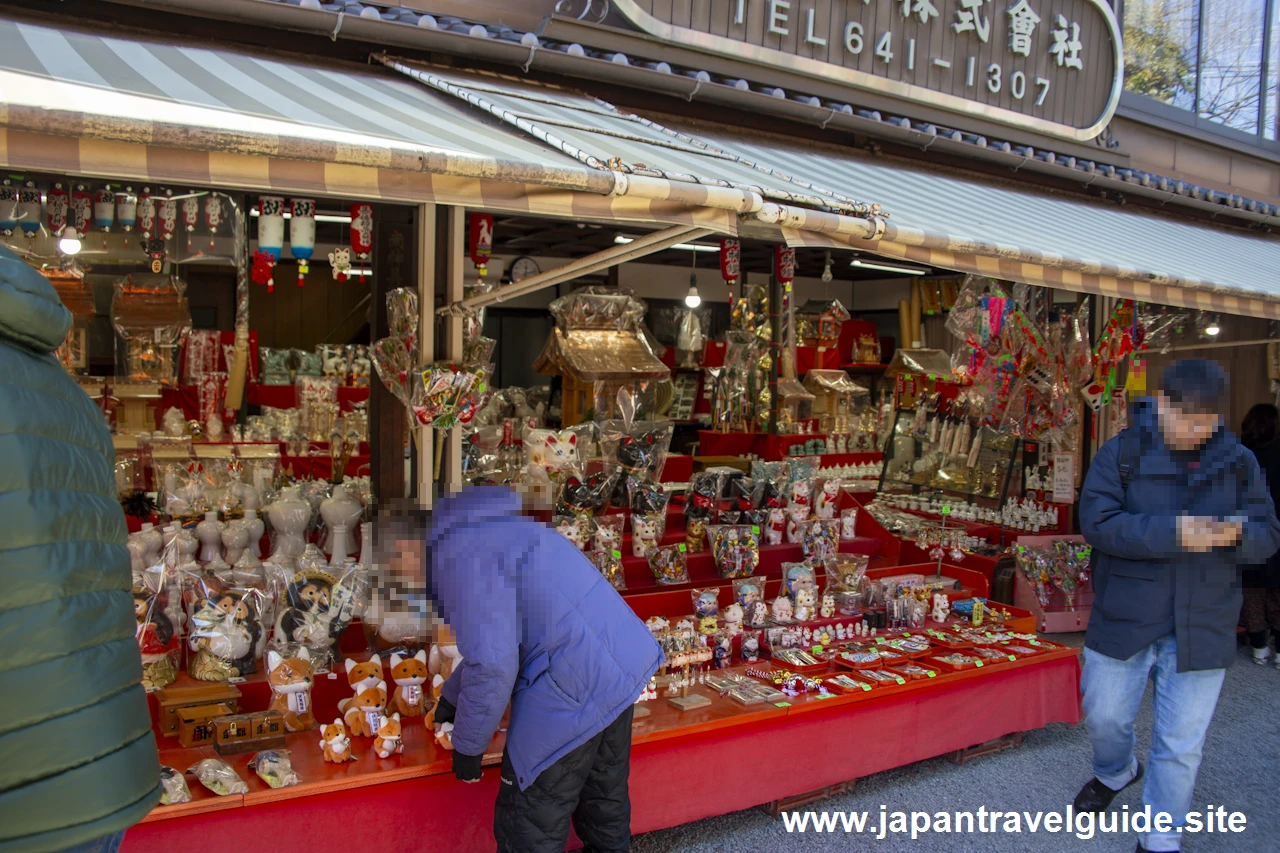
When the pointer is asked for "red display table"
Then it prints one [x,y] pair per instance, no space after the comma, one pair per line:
[286,396]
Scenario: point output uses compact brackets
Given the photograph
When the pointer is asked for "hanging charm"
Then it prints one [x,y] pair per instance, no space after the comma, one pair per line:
[127,212]
[786,264]
[29,210]
[302,234]
[8,209]
[146,214]
[81,210]
[362,231]
[57,208]
[166,216]
[481,242]
[340,262]
[270,240]
[212,217]
[190,216]
[730,265]
[104,212]
[153,248]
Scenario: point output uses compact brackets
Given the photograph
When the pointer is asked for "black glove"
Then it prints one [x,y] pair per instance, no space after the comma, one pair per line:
[466,767]
[444,711]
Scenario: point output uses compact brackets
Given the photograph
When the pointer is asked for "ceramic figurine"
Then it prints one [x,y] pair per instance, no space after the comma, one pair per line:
[606,538]
[828,499]
[209,532]
[249,497]
[776,527]
[317,608]
[759,614]
[335,743]
[290,680]
[341,512]
[152,543]
[289,515]
[362,711]
[656,624]
[797,514]
[804,605]
[750,652]
[781,609]
[848,524]
[409,674]
[644,535]
[840,634]
[722,656]
[571,529]
[137,548]
[255,527]
[828,609]
[157,641]
[235,539]
[388,742]
[707,626]
[224,636]
[941,607]
[733,619]
[801,492]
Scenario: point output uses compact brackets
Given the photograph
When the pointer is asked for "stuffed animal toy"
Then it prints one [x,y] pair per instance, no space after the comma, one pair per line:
[388,742]
[335,743]
[409,674]
[290,680]
[362,711]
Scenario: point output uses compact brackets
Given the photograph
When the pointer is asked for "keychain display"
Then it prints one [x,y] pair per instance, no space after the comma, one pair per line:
[667,562]
[1060,568]
[736,549]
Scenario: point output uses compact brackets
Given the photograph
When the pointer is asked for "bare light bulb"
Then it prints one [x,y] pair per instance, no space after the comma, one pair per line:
[69,244]
[692,299]
[1213,329]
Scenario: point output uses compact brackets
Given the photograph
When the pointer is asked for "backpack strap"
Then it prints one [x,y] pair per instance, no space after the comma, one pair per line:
[1129,452]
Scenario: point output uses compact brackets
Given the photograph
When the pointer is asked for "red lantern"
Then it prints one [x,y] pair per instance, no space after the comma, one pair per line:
[57,206]
[481,241]
[166,217]
[362,230]
[81,209]
[785,268]
[146,214]
[730,259]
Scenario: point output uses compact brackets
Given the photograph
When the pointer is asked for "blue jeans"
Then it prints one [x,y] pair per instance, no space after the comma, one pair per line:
[1182,706]
[105,844]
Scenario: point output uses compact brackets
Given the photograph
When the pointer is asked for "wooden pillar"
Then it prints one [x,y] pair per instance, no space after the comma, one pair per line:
[394,265]
[450,247]
[424,439]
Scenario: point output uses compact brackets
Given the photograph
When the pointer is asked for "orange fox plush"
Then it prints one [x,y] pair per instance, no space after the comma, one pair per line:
[388,742]
[361,711]
[335,743]
[362,675]
[409,674]
[290,680]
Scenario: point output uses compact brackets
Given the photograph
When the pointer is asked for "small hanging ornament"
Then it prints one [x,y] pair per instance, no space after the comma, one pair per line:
[302,234]
[481,242]
[57,208]
[730,264]
[263,270]
[8,209]
[146,214]
[786,264]
[29,210]
[104,211]
[127,212]
[153,248]
[340,262]
[362,231]
[190,216]
[81,209]
[166,216]
[212,216]
[270,237]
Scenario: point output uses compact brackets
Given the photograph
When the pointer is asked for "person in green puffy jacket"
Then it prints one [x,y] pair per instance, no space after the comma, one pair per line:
[78,762]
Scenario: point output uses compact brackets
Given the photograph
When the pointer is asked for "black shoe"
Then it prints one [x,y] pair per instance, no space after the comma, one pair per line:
[1097,797]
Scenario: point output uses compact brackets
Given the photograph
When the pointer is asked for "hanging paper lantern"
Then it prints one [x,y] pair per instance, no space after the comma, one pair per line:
[8,209]
[104,211]
[190,215]
[730,264]
[212,216]
[57,207]
[481,241]
[302,234]
[362,230]
[29,210]
[786,264]
[270,234]
[81,209]
[127,211]
[146,214]
[166,216]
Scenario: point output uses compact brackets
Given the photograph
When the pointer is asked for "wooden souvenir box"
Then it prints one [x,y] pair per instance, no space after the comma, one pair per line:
[195,723]
[248,732]
[171,699]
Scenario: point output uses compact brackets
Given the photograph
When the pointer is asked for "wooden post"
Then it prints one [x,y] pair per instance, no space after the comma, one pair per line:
[394,265]
[424,437]
[450,243]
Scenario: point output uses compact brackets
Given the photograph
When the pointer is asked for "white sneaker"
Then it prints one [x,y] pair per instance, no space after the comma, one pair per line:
[1260,656]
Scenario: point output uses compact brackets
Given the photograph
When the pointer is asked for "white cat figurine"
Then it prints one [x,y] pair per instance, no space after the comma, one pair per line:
[776,528]
[828,498]
[644,535]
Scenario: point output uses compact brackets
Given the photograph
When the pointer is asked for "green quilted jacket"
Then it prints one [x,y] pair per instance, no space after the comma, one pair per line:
[77,757]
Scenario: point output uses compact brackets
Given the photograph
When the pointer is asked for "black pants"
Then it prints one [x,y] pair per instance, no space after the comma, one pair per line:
[587,786]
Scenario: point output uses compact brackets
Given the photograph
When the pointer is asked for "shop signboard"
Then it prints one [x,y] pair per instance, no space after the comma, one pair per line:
[1051,66]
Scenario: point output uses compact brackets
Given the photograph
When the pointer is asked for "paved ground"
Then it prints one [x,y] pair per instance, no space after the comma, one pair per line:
[1241,770]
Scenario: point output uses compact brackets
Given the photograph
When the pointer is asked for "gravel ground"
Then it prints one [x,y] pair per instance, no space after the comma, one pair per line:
[1241,770]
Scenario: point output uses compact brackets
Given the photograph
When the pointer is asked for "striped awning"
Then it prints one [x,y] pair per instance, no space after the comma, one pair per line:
[85,103]
[943,218]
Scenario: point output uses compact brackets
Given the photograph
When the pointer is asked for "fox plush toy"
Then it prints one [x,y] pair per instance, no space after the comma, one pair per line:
[388,742]
[441,663]
[409,674]
[290,680]
[361,711]
[364,674]
[335,743]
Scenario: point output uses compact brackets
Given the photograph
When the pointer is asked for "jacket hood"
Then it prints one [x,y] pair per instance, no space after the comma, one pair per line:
[31,315]
[1222,447]
[471,504]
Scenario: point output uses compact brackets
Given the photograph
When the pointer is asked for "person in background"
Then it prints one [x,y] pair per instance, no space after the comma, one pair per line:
[1174,506]
[538,626]
[1261,609]
[80,763]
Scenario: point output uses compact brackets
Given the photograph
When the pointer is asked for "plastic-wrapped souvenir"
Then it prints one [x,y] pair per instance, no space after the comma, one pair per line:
[797,576]
[797,517]
[775,526]
[828,499]
[574,528]
[173,787]
[587,495]
[609,562]
[749,652]
[555,452]
[158,639]
[848,524]
[701,506]
[647,530]
[733,616]
[608,532]
[706,602]
[668,565]
[225,633]
[274,767]
[290,676]
[218,776]
[803,608]
[317,606]
[722,654]
[748,593]
[821,539]
[736,549]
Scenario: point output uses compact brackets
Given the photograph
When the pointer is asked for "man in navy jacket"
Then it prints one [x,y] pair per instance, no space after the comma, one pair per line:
[1173,508]
[537,626]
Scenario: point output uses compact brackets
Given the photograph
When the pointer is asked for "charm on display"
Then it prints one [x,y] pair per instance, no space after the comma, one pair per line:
[212,217]
[57,208]
[81,210]
[127,212]
[154,249]
[166,216]
[270,240]
[730,264]
[190,215]
[104,211]
[481,241]
[302,234]
[146,214]
[362,231]
[340,263]
[29,210]
[8,209]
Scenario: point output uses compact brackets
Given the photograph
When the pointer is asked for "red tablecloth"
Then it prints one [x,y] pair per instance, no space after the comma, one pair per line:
[286,396]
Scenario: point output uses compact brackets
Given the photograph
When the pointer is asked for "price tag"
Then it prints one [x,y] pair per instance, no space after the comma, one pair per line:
[1013,657]
[782,704]
[866,686]
[825,696]
[930,673]
[236,679]
[1033,642]
[879,639]
[617,555]
[333,676]
[988,634]
[817,650]
[900,680]
[979,664]
[680,548]
[905,635]
[755,530]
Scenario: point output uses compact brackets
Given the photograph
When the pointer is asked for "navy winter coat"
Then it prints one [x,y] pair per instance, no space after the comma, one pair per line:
[537,625]
[1145,585]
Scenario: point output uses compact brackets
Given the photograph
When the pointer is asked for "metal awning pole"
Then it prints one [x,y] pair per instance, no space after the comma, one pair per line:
[656,241]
